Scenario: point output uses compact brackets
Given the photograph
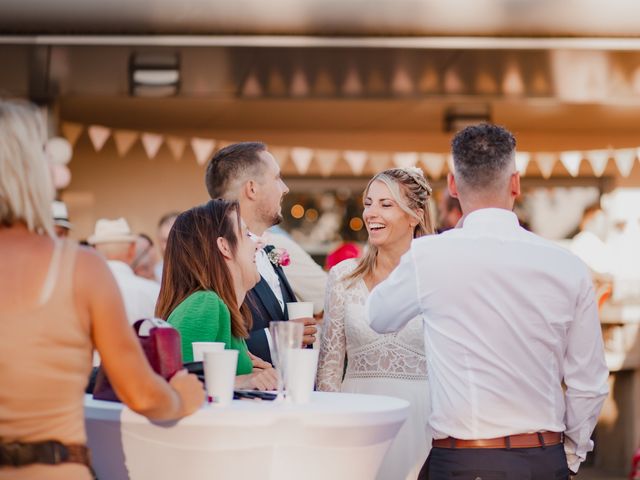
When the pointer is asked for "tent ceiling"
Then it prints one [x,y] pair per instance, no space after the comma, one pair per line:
[614,18]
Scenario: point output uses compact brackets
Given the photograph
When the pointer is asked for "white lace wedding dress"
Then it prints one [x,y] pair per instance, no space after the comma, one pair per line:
[381,364]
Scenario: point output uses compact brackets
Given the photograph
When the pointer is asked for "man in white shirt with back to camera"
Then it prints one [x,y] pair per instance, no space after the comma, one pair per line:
[508,318]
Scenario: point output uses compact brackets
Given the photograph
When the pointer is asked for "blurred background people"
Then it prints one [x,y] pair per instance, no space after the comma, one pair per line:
[449,212]
[146,258]
[396,211]
[61,223]
[209,268]
[58,302]
[343,252]
[589,241]
[115,241]
[164,227]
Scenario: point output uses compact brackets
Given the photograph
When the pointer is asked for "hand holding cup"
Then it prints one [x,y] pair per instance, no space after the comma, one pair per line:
[302,312]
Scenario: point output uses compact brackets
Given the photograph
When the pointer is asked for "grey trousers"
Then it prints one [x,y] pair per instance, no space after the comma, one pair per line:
[541,463]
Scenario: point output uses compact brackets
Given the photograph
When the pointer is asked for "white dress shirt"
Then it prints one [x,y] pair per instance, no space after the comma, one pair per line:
[139,294]
[508,316]
[265,268]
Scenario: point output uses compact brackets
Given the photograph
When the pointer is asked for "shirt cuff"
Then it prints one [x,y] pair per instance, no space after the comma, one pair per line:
[573,461]
[269,342]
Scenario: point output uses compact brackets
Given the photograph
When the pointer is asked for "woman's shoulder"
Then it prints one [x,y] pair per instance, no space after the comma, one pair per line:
[206,297]
[206,301]
[344,268]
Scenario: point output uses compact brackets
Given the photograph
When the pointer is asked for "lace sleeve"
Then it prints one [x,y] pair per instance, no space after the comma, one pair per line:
[333,344]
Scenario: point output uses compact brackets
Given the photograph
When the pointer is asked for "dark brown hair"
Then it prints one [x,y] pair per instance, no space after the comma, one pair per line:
[193,262]
[232,163]
[482,154]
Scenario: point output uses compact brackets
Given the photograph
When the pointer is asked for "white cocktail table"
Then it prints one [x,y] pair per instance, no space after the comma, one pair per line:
[336,436]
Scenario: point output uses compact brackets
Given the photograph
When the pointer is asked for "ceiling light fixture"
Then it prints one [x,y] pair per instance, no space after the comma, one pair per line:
[154,74]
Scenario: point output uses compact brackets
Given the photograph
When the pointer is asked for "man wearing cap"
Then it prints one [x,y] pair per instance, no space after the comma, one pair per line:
[114,239]
[514,347]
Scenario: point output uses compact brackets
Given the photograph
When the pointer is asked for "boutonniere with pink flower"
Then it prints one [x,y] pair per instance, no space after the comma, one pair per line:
[279,257]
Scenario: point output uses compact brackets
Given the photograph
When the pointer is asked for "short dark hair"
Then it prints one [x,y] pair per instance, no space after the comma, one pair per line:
[481,153]
[229,163]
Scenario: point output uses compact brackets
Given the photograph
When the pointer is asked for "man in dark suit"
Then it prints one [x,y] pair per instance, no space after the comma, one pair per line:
[248,173]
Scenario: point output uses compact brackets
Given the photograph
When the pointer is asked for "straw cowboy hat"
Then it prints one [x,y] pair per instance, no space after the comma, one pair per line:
[111,231]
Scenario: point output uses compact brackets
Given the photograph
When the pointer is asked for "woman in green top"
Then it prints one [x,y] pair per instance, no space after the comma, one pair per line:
[209,267]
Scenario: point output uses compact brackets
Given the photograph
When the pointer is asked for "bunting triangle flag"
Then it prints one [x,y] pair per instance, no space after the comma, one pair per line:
[276,84]
[281,154]
[252,86]
[326,160]
[203,149]
[452,81]
[433,164]
[176,146]
[151,143]
[405,159]
[72,131]
[324,85]
[376,84]
[356,160]
[571,161]
[301,159]
[352,85]
[124,140]
[379,161]
[299,84]
[522,162]
[625,159]
[598,160]
[98,136]
[546,161]
[429,80]
[512,83]
[402,84]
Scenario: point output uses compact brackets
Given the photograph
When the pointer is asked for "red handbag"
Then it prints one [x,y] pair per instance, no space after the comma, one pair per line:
[161,345]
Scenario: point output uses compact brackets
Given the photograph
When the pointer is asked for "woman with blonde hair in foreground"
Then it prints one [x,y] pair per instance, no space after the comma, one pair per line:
[396,211]
[57,302]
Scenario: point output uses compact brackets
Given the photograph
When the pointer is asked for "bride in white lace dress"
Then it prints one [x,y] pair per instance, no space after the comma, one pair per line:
[395,212]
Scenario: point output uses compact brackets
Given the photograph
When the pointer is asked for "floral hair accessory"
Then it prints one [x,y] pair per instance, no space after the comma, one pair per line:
[417,175]
[279,257]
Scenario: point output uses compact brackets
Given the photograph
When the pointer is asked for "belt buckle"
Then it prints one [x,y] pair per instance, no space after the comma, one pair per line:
[52,453]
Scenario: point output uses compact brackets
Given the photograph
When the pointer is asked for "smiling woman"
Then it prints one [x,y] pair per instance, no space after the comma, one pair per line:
[396,210]
[209,267]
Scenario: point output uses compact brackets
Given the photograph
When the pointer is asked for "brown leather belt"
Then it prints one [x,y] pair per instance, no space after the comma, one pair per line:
[50,452]
[523,440]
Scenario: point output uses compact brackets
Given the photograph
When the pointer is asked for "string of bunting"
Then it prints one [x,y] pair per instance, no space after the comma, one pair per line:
[435,164]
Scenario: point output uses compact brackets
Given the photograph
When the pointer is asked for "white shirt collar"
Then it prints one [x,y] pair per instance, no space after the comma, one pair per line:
[491,219]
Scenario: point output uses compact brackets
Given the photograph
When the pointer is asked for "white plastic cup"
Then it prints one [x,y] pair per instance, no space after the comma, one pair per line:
[300,310]
[301,374]
[200,347]
[219,375]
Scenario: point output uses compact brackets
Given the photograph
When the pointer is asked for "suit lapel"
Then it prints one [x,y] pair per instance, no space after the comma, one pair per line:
[268,299]
[285,287]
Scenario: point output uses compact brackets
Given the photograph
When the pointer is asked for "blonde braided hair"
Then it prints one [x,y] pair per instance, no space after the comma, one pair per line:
[411,191]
